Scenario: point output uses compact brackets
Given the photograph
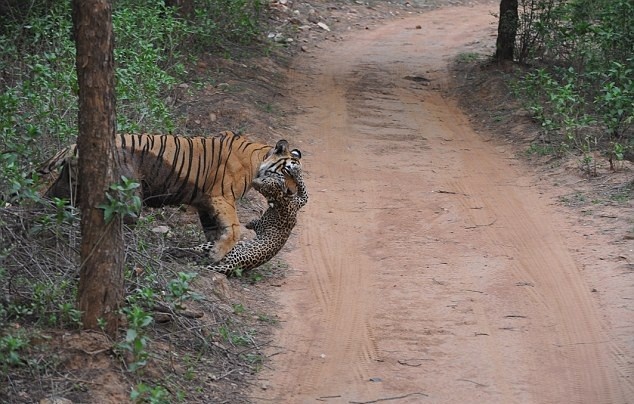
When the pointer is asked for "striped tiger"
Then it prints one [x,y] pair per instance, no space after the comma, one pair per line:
[207,173]
[272,229]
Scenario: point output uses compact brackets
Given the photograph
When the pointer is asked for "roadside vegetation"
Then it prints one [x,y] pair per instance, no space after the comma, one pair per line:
[577,77]
[566,98]
[177,345]
[38,102]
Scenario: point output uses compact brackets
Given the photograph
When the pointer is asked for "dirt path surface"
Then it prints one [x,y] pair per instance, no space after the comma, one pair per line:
[428,265]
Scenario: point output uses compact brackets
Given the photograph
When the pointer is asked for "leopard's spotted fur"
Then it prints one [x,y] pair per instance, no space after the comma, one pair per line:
[274,227]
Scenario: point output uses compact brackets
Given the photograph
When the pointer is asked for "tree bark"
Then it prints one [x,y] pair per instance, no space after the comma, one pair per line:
[507,30]
[101,275]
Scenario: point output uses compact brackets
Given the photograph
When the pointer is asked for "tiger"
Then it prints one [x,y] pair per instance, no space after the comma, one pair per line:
[272,229]
[207,173]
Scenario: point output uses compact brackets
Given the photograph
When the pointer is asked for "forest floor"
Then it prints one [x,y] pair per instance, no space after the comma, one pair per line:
[436,261]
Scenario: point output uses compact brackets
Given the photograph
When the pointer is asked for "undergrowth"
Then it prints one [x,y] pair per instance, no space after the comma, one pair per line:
[39,241]
[39,272]
[154,46]
[578,79]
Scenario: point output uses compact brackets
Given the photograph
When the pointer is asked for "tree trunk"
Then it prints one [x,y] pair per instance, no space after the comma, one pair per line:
[101,274]
[507,30]
[184,8]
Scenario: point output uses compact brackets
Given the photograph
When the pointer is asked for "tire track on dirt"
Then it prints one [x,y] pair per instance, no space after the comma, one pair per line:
[541,257]
[335,280]
[426,263]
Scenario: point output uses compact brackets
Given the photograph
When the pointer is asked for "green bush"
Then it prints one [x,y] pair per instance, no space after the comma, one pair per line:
[38,84]
[615,98]
[220,22]
[580,83]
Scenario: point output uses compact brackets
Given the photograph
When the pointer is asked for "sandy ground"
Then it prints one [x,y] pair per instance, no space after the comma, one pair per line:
[430,265]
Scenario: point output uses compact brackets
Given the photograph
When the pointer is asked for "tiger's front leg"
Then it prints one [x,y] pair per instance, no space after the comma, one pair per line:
[210,225]
[228,229]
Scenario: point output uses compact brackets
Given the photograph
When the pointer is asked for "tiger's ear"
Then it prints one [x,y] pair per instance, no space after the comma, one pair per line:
[281,147]
[296,153]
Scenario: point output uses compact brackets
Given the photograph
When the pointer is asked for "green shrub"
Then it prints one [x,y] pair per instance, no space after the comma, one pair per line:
[11,347]
[220,22]
[38,89]
[581,84]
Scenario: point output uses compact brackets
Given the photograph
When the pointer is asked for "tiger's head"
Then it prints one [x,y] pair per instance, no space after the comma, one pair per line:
[278,161]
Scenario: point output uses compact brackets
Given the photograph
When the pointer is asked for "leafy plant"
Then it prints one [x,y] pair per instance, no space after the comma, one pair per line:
[54,221]
[466,57]
[179,290]
[69,315]
[255,277]
[124,202]
[581,85]
[238,308]
[48,304]
[540,149]
[255,360]
[11,347]
[616,98]
[238,271]
[145,296]
[143,393]
[147,53]
[17,142]
[234,338]
[235,21]
[136,340]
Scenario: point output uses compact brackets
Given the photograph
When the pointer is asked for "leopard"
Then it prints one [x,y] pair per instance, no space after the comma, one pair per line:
[285,198]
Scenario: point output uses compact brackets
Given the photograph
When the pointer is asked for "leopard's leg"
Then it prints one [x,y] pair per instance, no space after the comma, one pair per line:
[241,257]
[181,252]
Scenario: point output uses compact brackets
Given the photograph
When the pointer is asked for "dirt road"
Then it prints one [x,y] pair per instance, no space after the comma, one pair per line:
[428,265]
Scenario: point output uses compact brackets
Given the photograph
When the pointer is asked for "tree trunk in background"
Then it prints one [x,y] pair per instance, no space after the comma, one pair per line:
[507,29]
[101,274]
[185,8]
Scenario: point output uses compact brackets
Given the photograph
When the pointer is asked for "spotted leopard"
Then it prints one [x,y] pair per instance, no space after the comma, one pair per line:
[274,227]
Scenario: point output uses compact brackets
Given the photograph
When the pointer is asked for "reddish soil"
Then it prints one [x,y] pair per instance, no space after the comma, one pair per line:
[431,264]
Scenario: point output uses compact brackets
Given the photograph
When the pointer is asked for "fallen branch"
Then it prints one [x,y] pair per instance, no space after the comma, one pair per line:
[388,398]
[471,381]
[481,225]
[324,398]
[408,362]
[442,191]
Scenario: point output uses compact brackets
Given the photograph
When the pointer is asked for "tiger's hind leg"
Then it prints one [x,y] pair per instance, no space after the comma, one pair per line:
[65,186]
[222,230]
